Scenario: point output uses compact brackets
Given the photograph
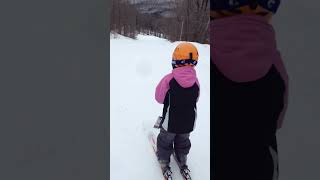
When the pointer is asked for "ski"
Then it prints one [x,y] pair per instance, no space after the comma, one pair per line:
[184,172]
[153,142]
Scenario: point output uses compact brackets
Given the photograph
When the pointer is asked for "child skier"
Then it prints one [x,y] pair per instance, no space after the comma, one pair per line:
[179,92]
[250,89]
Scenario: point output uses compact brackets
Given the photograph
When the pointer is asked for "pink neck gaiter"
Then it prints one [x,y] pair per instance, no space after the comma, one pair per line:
[243,47]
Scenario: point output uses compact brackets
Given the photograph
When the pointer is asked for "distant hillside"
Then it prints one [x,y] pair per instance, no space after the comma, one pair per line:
[157,8]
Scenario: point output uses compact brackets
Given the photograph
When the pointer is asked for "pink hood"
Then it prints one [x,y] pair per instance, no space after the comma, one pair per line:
[186,77]
[243,47]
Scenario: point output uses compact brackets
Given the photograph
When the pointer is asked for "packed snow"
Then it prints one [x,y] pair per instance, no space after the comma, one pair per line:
[136,67]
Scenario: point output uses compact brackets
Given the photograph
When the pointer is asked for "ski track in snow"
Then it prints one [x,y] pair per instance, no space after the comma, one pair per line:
[136,67]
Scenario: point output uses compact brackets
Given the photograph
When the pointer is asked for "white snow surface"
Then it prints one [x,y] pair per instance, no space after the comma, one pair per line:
[136,67]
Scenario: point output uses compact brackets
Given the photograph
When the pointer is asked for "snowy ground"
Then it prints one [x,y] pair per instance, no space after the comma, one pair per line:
[136,68]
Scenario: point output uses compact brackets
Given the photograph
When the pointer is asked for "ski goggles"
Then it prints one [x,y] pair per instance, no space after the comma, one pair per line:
[177,63]
[270,5]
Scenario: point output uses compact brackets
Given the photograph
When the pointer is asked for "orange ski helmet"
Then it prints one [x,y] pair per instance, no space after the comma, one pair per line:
[185,54]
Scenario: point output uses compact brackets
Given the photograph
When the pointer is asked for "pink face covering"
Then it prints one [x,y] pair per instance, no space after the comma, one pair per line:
[243,47]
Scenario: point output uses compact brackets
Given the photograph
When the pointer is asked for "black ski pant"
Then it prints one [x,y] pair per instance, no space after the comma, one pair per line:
[244,125]
[168,142]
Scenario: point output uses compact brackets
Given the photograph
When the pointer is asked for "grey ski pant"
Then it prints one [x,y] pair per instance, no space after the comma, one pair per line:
[168,142]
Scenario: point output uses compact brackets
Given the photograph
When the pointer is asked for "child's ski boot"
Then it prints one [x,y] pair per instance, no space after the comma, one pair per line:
[185,172]
[166,170]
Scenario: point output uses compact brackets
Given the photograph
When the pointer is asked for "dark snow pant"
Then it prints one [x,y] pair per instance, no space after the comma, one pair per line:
[167,143]
[244,124]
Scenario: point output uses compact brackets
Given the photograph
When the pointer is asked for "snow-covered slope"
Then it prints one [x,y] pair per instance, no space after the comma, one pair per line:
[136,68]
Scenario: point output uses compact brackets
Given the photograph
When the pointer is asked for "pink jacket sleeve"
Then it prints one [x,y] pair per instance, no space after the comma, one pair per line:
[163,88]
